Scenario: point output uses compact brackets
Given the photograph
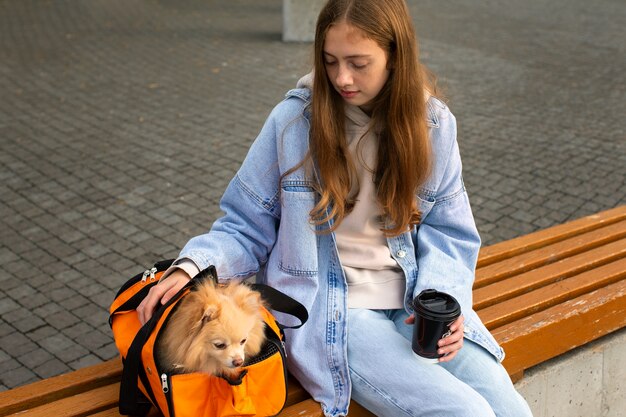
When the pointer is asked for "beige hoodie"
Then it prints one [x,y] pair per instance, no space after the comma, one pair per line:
[375,280]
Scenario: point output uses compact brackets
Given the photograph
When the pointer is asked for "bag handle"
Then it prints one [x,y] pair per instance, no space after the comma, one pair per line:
[276,299]
[283,303]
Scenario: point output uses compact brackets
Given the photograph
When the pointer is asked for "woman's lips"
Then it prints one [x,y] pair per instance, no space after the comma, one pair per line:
[348,94]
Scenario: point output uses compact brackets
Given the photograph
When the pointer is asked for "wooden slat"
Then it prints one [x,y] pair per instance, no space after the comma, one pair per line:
[295,392]
[549,254]
[510,310]
[51,389]
[553,234]
[357,410]
[83,404]
[114,412]
[306,408]
[310,408]
[527,281]
[546,334]
[111,412]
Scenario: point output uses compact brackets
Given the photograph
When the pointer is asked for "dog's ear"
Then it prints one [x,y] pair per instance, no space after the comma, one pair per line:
[210,313]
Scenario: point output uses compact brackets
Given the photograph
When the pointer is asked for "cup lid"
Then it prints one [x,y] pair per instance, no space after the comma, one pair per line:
[436,303]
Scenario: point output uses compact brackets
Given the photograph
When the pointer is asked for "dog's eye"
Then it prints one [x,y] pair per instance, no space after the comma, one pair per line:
[243,341]
[220,346]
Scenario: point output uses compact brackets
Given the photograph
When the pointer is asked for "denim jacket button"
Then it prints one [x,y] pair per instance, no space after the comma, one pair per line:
[401,254]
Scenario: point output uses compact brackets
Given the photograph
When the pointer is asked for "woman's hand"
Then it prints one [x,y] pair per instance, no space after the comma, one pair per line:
[451,344]
[161,293]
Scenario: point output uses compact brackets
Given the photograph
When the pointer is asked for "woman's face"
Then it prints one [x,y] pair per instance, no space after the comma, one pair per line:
[356,66]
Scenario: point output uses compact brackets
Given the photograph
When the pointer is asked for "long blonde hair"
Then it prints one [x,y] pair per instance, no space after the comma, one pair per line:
[399,112]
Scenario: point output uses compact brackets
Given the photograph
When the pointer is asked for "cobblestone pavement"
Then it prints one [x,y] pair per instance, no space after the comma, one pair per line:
[121,122]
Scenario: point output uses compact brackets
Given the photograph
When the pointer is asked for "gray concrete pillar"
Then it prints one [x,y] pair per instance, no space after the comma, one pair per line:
[299,18]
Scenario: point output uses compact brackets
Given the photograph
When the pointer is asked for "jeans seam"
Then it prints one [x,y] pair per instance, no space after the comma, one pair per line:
[384,395]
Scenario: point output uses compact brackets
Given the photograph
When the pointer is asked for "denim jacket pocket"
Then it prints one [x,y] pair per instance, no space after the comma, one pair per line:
[297,240]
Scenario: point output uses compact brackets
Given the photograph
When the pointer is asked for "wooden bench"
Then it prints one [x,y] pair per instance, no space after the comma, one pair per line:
[541,295]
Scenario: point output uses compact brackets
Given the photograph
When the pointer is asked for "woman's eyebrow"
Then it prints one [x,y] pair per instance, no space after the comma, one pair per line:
[349,56]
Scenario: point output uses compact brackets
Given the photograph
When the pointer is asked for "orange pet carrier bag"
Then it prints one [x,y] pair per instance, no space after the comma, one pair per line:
[262,391]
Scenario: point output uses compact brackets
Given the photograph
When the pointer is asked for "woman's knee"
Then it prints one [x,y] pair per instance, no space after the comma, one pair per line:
[439,399]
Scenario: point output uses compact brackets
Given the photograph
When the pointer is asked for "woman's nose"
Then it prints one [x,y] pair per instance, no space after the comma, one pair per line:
[344,77]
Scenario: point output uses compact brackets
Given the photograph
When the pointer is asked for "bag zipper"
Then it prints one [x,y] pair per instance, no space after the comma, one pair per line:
[149,273]
[143,277]
[166,383]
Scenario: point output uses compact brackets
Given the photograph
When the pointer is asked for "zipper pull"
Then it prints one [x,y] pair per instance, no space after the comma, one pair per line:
[144,277]
[164,385]
[282,342]
[152,272]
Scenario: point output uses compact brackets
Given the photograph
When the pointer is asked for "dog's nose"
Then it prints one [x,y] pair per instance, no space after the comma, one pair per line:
[237,362]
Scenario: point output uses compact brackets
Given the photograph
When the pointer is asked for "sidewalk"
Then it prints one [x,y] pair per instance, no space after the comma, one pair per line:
[122,122]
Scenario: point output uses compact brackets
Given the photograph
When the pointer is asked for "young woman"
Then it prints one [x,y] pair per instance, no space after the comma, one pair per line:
[351,200]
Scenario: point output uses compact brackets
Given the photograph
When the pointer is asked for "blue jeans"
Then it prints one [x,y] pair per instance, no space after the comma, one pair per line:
[389,380]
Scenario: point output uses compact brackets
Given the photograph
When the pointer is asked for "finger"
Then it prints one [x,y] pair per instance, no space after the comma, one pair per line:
[452,338]
[457,323]
[172,292]
[410,319]
[448,357]
[144,311]
[451,348]
[147,306]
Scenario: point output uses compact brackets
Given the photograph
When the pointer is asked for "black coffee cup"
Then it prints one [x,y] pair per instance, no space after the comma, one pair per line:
[435,311]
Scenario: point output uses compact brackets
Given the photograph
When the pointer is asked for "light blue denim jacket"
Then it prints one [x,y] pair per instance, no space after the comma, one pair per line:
[266,230]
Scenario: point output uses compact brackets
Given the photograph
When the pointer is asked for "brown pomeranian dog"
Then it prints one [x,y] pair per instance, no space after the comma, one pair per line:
[213,330]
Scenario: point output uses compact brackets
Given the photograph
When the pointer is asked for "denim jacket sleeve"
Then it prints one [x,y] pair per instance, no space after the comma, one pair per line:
[447,241]
[240,241]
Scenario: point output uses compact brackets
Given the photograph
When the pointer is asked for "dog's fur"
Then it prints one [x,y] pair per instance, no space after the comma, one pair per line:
[213,330]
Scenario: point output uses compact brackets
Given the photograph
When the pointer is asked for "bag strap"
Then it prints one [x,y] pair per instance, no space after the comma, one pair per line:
[283,303]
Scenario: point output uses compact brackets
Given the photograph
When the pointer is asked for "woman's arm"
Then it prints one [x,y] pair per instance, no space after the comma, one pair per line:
[239,242]
[447,241]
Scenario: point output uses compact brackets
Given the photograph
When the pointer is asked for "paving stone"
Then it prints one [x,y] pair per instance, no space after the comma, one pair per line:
[13,343]
[72,353]
[7,304]
[21,291]
[28,324]
[74,302]
[51,368]
[109,351]
[85,361]
[92,314]
[18,376]
[96,339]
[56,343]
[62,319]
[35,358]
[47,309]
[41,333]
[5,328]
[6,255]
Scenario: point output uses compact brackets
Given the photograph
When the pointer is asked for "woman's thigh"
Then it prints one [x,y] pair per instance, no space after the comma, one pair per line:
[479,369]
[390,381]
